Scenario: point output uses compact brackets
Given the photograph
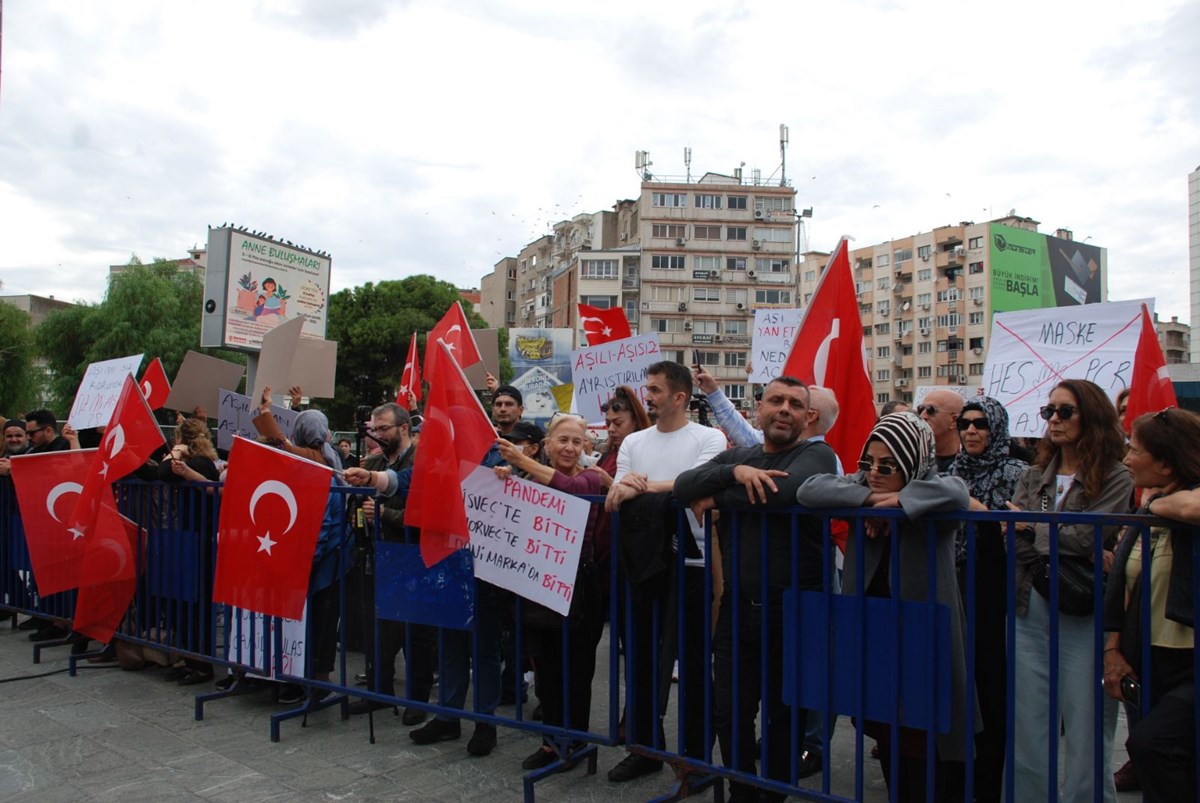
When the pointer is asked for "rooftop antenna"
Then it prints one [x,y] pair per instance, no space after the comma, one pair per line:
[783,142]
[641,161]
[687,162]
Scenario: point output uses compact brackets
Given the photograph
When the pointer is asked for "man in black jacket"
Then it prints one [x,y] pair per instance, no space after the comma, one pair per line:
[760,476]
[42,428]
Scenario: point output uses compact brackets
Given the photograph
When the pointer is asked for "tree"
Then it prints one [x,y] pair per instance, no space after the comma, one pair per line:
[373,325]
[16,362]
[154,309]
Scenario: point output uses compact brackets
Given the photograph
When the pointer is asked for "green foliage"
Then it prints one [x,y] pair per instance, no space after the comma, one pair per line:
[373,325]
[154,309]
[16,362]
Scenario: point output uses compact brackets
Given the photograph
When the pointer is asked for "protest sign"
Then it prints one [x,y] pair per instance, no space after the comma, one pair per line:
[236,414]
[314,367]
[525,537]
[774,331]
[488,343]
[97,394]
[1033,350]
[200,380]
[968,392]
[598,370]
[252,643]
[275,359]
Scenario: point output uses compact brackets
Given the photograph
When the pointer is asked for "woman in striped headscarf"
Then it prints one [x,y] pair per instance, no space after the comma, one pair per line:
[898,469]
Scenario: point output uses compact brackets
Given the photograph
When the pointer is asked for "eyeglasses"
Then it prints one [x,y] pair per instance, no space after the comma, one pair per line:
[1065,411]
[882,469]
[980,424]
[383,429]
[572,416]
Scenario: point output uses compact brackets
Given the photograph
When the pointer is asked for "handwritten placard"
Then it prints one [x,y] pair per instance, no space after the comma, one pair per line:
[774,332]
[1031,351]
[236,416]
[525,537]
[597,371]
[98,392]
[251,643]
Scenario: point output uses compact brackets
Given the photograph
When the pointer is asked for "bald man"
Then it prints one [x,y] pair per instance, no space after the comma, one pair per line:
[940,411]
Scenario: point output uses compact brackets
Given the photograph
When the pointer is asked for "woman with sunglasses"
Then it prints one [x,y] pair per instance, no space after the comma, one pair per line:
[898,469]
[985,464]
[1164,457]
[1078,469]
[557,680]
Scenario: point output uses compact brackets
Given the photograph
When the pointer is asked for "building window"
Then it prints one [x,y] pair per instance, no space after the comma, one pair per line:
[924,251]
[924,347]
[599,269]
[975,293]
[882,398]
[975,369]
[772,265]
[883,351]
[862,287]
[883,328]
[975,242]
[949,295]
[975,267]
[666,325]
[706,294]
[883,375]
[882,261]
[975,318]
[708,201]
[735,359]
[924,298]
[924,371]
[864,309]
[735,201]
[735,392]
[674,199]
[666,292]
[867,331]
[735,232]
[735,296]
[736,326]
[599,302]
[708,357]
[924,274]
[706,232]
[773,296]
[735,263]
[948,320]
[773,234]
[706,263]
[883,283]
[668,230]
[976,342]
[667,261]
[773,204]
[810,275]
[901,255]
[706,327]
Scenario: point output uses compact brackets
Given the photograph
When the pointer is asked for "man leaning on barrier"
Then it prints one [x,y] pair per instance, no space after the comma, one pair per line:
[760,476]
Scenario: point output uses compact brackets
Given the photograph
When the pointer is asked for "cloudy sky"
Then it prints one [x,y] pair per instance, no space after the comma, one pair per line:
[437,137]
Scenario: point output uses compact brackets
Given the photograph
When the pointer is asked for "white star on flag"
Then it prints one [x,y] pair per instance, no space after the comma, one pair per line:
[76,533]
[265,543]
[606,331]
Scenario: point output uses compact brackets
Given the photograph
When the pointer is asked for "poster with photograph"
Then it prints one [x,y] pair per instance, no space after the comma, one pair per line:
[541,360]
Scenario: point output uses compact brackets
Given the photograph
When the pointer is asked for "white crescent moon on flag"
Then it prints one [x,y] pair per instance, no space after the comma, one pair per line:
[821,361]
[282,491]
[147,388]
[582,319]
[111,546]
[455,328]
[56,492]
[115,440]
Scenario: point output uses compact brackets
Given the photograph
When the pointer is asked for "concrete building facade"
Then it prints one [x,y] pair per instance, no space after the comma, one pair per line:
[1194,255]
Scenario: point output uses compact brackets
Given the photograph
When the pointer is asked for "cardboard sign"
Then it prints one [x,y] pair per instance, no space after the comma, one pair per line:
[488,343]
[199,382]
[1033,350]
[597,371]
[251,643]
[97,395]
[774,332]
[314,367]
[525,536]
[275,359]
[236,414]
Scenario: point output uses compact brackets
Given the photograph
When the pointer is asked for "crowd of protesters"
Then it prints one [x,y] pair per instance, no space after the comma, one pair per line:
[949,454]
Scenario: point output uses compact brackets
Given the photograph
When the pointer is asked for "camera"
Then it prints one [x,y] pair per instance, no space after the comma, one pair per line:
[700,406]
[1131,690]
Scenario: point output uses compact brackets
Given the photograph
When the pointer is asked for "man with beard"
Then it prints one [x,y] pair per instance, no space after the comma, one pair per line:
[389,427]
[764,476]
[41,426]
[649,462]
[507,408]
[16,442]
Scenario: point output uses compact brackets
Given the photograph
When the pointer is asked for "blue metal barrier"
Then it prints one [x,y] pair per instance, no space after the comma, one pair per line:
[813,652]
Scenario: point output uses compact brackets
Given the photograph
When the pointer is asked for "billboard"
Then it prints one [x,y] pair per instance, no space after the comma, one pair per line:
[254,283]
[1036,271]
[541,359]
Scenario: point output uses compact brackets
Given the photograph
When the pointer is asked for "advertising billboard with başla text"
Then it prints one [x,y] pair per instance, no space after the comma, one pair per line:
[270,283]
[1036,271]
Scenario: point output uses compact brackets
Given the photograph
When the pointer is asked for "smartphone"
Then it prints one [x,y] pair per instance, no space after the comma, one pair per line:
[1131,690]
[696,357]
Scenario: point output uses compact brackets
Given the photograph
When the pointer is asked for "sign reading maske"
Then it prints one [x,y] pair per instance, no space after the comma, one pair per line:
[1034,271]
[1033,350]
[774,332]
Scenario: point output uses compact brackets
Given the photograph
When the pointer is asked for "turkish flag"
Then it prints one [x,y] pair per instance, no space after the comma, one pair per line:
[455,436]
[828,351]
[45,483]
[455,332]
[603,325]
[131,437]
[155,385]
[108,579]
[1150,388]
[410,379]
[271,514]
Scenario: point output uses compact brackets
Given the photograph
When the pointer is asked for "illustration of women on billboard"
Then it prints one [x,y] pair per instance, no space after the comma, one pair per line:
[268,306]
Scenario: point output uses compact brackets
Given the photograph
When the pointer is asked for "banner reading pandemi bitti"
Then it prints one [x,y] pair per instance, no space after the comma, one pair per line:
[1032,351]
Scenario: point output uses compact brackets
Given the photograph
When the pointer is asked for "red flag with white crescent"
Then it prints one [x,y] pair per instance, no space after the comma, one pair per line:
[154,385]
[410,379]
[108,579]
[1150,388]
[455,332]
[603,325]
[47,485]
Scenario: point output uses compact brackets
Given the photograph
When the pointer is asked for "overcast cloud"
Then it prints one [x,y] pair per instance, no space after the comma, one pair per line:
[422,137]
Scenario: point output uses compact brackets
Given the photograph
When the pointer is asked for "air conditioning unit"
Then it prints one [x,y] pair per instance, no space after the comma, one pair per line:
[714,275]
[959,251]
[978,302]
[716,338]
[741,307]
[646,305]
[750,274]
[925,332]
[901,382]
[925,307]
[687,326]
[756,244]
[682,306]
[679,241]
[759,214]
[978,350]
[924,257]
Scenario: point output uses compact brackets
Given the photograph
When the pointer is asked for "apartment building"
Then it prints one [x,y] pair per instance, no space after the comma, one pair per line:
[1174,338]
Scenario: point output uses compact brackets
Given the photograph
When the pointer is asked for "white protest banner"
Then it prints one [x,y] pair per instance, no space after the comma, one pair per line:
[236,417]
[98,392]
[597,371]
[1033,350]
[921,391]
[525,537]
[242,649]
[774,331]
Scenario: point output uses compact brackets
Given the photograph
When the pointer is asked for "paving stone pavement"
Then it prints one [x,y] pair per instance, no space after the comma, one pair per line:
[108,734]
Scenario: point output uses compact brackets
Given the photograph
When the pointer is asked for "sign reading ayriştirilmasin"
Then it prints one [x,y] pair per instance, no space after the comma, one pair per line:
[252,284]
[1035,271]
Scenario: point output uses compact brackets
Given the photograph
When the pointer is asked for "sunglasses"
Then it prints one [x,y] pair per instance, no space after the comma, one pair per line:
[1065,411]
[616,405]
[980,424]
[882,469]
[927,408]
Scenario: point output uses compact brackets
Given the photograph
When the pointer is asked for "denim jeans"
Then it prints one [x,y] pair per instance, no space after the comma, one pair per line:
[456,656]
[1078,679]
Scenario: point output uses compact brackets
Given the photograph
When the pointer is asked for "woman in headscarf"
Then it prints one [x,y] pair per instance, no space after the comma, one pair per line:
[991,475]
[898,469]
